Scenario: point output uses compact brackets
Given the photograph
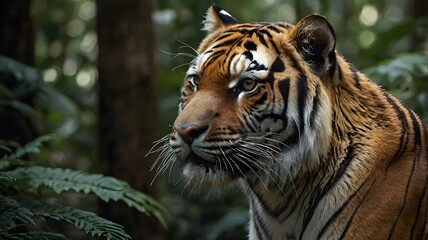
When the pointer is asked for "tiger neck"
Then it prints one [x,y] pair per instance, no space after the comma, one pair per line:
[290,210]
[276,212]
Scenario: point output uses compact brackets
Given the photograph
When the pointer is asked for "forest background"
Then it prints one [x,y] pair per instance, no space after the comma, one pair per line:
[104,78]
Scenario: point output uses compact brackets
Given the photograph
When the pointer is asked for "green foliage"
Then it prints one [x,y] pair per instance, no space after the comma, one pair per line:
[20,183]
[16,213]
[106,188]
[13,214]
[23,204]
[386,41]
[405,76]
[35,236]
[402,69]
[18,81]
[31,147]
[87,221]
[22,84]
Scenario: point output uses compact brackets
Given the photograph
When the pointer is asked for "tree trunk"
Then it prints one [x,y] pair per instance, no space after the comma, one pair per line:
[127,105]
[16,42]
[16,31]
[418,11]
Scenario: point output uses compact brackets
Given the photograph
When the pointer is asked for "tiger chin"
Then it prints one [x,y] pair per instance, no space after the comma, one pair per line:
[321,151]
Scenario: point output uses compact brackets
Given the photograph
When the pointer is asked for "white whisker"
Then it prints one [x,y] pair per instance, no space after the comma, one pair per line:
[185,45]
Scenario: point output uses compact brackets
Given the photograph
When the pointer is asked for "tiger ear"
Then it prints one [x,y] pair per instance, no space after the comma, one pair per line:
[217,18]
[315,40]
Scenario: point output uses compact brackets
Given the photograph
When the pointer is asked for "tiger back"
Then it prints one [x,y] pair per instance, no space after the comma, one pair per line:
[321,151]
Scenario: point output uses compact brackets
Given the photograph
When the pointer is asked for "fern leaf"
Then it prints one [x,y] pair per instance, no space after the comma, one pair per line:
[13,214]
[106,188]
[87,221]
[31,147]
[34,236]
[7,163]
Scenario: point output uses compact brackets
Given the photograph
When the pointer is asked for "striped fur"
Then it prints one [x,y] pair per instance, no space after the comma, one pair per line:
[321,151]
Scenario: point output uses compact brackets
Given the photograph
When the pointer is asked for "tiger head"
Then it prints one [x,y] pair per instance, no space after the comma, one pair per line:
[254,103]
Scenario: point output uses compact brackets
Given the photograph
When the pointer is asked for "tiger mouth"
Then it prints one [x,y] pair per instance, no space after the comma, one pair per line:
[234,169]
[200,161]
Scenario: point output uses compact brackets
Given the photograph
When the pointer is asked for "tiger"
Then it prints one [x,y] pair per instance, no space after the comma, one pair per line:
[320,151]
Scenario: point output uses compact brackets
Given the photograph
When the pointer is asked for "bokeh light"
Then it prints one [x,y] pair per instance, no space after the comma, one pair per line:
[366,38]
[50,75]
[369,15]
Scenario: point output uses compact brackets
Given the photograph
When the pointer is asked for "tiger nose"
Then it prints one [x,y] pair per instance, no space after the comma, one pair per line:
[189,133]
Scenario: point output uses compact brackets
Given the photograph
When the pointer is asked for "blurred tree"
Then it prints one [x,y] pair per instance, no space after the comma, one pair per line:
[17,42]
[17,31]
[418,9]
[127,104]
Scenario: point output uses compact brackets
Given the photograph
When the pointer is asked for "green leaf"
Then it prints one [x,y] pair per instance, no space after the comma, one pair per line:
[34,236]
[7,163]
[23,108]
[57,105]
[106,188]
[87,221]
[25,79]
[386,39]
[31,147]
[401,70]
[13,214]
[406,61]
[20,71]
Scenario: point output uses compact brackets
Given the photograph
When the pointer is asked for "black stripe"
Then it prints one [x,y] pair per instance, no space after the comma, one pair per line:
[345,230]
[315,106]
[284,89]
[223,36]
[243,122]
[262,39]
[251,25]
[260,226]
[249,45]
[320,193]
[295,63]
[279,208]
[404,130]
[267,33]
[277,66]
[285,26]
[419,210]
[213,57]
[416,156]
[339,70]
[273,28]
[302,92]
[249,123]
[355,76]
[338,211]
[225,43]
[248,55]
[230,58]
[292,139]
[273,44]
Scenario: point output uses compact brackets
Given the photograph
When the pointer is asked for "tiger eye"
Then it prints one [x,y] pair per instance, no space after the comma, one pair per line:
[248,84]
[195,80]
